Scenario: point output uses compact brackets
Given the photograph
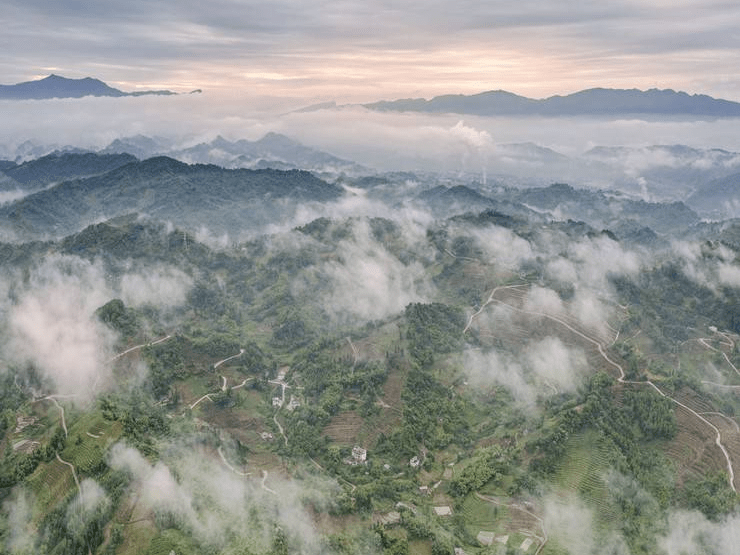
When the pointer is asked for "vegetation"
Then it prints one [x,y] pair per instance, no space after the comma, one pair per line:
[398,445]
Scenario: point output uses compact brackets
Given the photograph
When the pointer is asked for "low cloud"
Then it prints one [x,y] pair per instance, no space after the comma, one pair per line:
[570,524]
[502,246]
[161,285]
[711,266]
[219,506]
[11,196]
[87,504]
[21,534]
[540,368]
[366,282]
[691,532]
[53,325]
[545,301]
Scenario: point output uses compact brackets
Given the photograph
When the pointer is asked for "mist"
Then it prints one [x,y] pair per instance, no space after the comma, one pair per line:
[570,523]
[160,285]
[691,532]
[539,369]
[384,141]
[367,282]
[19,509]
[218,505]
[53,325]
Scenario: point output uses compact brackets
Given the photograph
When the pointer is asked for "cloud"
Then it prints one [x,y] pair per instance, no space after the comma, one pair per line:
[540,368]
[601,257]
[708,265]
[691,532]
[487,368]
[543,300]
[160,285]
[219,506]
[570,523]
[358,48]
[729,274]
[87,504]
[54,327]
[11,196]
[502,246]
[365,281]
[21,534]
[555,363]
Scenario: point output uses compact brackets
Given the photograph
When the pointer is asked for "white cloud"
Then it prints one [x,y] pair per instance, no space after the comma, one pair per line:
[690,532]
[218,505]
[539,369]
[53,325]
[22,535]
[368,282]
[160,285]
[502,246]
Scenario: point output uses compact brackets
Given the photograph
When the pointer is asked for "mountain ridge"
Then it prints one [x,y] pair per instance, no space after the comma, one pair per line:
[171,190]
[588,102]
[56,86]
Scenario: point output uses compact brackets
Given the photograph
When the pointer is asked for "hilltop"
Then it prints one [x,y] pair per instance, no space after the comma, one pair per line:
[473,366]
[56,86]
[597,102]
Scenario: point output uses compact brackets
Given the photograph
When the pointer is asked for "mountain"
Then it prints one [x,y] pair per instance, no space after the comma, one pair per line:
[720,198]
[140,146]
[376,381]
[274,150]
[55,86]
[60,166]
[561,201]
[591,102]
[166,189]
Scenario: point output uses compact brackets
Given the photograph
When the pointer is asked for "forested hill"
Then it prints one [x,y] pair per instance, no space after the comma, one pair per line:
[168,189]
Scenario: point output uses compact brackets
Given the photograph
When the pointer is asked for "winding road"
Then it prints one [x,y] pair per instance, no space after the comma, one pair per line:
[220,362]
[135,347]
[264,487]
[74,473]
[226,463]
[355,353]
[52,398]
[621,378]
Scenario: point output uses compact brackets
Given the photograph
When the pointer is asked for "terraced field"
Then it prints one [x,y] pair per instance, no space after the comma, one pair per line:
[583,471]
[693,449]
[50,483]
[345,428]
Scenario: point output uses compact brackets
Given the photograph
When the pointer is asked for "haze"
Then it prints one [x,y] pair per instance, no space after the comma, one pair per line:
[363,51]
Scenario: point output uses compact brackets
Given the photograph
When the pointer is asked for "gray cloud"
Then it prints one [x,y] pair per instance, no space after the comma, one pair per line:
[370,46]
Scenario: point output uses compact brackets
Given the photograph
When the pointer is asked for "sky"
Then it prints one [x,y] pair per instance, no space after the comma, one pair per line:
[356,51]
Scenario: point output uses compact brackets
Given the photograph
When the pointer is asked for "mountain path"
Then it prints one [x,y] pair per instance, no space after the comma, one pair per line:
[621,378]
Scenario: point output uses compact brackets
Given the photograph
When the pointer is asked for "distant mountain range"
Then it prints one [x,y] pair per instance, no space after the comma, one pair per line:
[596,102]
[55,86]
[274,151]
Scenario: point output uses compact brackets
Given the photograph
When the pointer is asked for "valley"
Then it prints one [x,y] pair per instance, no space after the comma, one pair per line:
[441,368]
